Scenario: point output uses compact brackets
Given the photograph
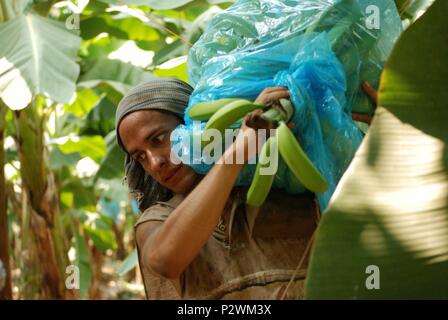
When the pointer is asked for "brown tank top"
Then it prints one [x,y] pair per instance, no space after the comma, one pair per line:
[252,254]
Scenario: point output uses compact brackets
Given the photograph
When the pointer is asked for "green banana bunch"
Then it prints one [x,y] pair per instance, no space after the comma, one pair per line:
[262,182]
[204,110]
[230,113]
[221,114]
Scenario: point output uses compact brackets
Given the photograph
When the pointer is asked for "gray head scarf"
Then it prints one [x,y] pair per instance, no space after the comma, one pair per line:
[164,94]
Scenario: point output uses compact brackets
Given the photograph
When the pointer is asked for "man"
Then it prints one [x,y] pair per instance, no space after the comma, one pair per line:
[196,237]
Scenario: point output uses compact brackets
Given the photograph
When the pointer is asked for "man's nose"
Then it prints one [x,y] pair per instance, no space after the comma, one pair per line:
[156,161]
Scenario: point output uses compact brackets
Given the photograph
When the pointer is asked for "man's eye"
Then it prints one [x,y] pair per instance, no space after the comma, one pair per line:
[160,138]
[140,157]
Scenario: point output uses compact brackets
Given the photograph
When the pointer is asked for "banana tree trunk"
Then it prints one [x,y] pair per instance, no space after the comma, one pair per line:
[5,283]
[43,208]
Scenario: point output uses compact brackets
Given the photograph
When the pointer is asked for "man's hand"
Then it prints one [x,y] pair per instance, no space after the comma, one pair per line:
[272,95]
[371,92]
[253,121]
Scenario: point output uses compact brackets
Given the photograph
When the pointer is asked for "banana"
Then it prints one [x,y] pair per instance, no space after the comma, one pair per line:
[298,162]
[262,182]
[204,110]
[230,113]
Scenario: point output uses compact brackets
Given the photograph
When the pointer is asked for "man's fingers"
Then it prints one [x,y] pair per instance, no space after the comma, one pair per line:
[362,117]
[272,89]
[270,98]
[255,120]
[371,92]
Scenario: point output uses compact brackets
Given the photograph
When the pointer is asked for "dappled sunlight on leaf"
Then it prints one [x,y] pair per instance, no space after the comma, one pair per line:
[391,206]
[130,53]
[14,89]
[24,40]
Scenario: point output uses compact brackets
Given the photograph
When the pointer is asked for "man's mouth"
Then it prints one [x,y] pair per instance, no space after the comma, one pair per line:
[173,176]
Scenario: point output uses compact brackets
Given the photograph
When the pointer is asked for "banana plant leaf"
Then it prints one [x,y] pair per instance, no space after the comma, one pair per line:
[179,70]
[114,77]
[154,4]
[10,9]
[111,165]
[38,56]
[409,9]
[385,233]
[128,264]
[87,146]
[84,264]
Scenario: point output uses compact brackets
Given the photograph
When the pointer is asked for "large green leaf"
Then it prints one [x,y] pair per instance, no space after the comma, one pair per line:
[410,9]
[135,29]
[87,146]
[93,26]
[154,4]
[391,207]
[100,120]
[124,28]
[74,194]
[114,77]
[94,50]
[58,159]
[85,101]
[95,7]
[221,1]
[117,71]
[171,51]
[10,9]
[165,4]
[128,264]
[176,67]
[37,57]
[83,263]
[101,233]
[112,165]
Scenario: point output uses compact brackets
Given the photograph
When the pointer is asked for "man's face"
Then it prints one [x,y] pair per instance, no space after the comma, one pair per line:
[145,135]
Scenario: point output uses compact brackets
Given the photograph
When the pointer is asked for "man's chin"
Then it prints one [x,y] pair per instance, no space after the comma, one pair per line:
[185,184]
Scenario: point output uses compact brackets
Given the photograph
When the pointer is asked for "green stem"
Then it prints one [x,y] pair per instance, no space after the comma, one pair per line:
[39,186]
[284,112]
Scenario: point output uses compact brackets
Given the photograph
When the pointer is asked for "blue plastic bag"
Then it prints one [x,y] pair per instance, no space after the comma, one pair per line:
[320,50]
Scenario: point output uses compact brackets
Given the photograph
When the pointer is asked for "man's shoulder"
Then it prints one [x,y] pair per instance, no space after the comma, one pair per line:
[160,210]
[174,201]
